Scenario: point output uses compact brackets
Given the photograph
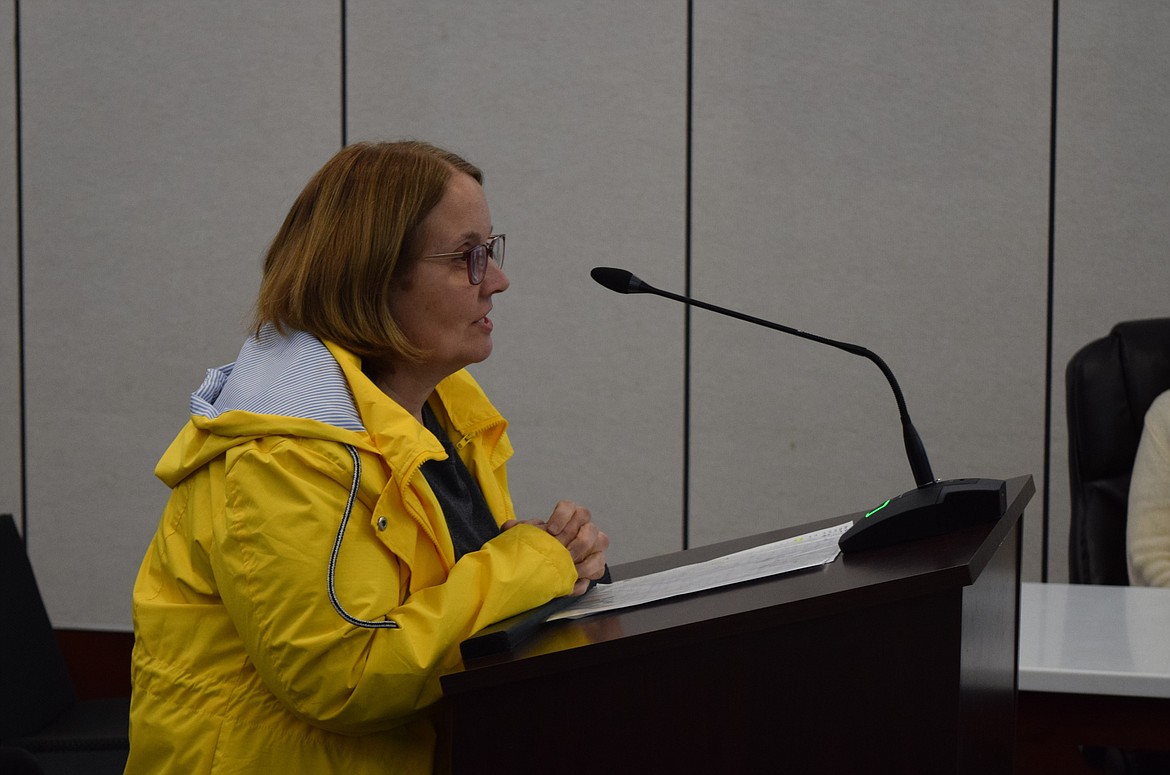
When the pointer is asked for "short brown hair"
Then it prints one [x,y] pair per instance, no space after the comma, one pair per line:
[348,238]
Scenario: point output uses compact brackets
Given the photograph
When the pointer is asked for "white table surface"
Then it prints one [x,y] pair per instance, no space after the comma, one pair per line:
[1093,639]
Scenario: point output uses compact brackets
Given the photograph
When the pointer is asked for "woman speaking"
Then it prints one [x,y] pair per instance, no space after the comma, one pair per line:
[340,519]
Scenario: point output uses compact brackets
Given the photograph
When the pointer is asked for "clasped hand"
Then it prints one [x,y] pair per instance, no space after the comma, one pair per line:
[572,525]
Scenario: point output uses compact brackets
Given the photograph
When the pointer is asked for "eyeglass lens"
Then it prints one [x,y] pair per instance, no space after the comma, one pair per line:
[479,255]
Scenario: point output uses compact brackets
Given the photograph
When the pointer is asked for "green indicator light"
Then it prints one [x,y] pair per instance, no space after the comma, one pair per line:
[879,508]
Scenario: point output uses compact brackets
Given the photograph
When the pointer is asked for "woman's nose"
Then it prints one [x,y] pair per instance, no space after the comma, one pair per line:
[495,281]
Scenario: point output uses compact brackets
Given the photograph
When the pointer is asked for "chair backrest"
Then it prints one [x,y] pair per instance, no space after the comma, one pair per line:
[1109,384]
[37,686]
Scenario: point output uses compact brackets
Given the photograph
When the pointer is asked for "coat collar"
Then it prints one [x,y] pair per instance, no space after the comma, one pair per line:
[459,403]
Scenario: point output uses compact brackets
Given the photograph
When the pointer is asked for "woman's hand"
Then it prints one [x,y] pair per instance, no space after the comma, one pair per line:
[572,525]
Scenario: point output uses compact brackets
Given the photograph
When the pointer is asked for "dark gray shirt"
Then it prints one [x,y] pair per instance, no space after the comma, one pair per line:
[468,517]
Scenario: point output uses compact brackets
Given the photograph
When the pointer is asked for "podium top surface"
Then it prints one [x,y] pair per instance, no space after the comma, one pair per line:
[864,578]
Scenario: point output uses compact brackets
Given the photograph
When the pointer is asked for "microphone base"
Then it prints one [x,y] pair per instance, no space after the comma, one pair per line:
[931,510]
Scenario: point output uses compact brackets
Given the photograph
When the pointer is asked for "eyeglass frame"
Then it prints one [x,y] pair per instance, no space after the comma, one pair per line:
[489,253]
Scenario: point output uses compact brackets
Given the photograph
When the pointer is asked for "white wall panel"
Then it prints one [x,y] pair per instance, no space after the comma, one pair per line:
[577,114]
[163,144]
[875,173]
[9,274]
[1112,239]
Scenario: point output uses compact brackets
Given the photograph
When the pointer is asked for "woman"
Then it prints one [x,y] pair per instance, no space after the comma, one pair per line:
[340,518]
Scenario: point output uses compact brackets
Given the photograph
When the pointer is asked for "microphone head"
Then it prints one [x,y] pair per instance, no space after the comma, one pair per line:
[618,280]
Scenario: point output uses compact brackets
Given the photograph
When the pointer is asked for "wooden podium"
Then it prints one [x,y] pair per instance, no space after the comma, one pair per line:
[895,660]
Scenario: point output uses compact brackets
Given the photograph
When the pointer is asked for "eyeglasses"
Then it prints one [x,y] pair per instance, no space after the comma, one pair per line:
[477,257]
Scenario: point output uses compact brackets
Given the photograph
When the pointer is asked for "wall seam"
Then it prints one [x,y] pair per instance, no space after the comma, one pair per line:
[686,473]
[20,327]
[344,86]
[1050,293]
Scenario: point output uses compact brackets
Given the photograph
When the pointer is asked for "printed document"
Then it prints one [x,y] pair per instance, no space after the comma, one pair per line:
[803,551]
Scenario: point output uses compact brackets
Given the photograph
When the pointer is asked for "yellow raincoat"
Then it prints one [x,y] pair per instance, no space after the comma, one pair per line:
[266,605]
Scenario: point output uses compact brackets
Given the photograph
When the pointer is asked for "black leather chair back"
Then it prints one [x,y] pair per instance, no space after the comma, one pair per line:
[37,686]
[42,722]
[1109,384]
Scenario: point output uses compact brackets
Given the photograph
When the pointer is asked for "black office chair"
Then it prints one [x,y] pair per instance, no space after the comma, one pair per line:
[41,718]
[1110,384]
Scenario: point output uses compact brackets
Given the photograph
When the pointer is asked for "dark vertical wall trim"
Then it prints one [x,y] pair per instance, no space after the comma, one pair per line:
[344,81]
[1048,373]
[686,473]
[20,281]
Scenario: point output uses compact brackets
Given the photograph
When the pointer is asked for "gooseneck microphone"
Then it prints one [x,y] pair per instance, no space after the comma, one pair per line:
[933,508]
[624,282]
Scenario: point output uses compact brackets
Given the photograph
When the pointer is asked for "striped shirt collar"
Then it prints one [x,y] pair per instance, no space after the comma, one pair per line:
[289,375]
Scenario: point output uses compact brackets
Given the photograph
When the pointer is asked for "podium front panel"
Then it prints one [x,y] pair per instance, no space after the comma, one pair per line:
[899,660]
